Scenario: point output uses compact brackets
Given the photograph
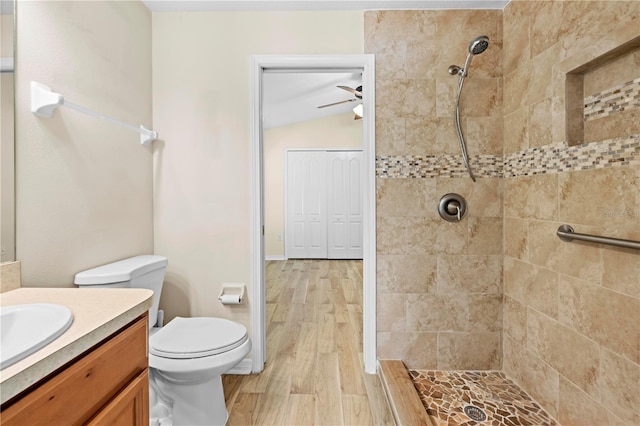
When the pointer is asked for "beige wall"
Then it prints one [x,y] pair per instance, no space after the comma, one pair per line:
[84,186]
[201,82]
[439,284]
[572,310]
[336,131]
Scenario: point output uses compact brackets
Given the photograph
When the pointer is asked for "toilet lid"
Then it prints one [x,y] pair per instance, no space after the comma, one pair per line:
[197,337]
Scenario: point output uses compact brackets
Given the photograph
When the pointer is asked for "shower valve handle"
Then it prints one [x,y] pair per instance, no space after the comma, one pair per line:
[452,207]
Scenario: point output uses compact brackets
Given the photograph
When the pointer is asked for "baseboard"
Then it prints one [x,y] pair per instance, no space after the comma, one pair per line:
[243,368]
[275,257]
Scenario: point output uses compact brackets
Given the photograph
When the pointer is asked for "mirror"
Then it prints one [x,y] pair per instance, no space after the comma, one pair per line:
[7,130]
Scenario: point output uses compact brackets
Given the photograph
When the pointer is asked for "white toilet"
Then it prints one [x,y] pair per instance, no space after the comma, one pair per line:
[186,357]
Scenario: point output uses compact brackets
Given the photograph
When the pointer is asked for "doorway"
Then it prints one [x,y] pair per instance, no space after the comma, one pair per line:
[260,64]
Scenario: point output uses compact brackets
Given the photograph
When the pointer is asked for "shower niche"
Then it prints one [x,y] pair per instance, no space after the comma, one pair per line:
[602,95]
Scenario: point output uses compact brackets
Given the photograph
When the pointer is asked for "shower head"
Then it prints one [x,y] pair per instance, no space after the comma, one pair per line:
[478,45]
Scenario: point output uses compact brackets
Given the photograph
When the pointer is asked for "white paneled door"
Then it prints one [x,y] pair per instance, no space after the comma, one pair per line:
[306,227]
[344,204]
[323,204]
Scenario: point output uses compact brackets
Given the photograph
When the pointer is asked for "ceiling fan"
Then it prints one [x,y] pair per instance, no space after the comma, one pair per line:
[357,92]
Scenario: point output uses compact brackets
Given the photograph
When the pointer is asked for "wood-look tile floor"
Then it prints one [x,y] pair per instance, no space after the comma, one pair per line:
[314,373]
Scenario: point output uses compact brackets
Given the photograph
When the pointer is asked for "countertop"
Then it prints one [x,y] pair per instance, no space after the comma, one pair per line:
[97,313]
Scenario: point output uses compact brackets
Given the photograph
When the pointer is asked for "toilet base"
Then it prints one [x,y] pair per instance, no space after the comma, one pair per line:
[178,403]
[188,391]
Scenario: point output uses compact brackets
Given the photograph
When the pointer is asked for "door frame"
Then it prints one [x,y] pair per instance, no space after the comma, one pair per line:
[260,63]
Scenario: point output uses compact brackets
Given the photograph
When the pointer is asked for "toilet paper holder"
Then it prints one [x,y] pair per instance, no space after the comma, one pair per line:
[232,294]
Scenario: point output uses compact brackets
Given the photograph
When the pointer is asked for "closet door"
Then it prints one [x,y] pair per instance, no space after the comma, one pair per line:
[306,221]
[344,204]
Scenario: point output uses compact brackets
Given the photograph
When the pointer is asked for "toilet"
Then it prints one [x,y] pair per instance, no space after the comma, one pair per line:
[186,357]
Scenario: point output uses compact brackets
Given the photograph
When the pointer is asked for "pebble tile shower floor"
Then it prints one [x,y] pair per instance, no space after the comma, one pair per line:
[445,394]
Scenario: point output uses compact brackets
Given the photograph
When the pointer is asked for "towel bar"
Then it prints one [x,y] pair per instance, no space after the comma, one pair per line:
[44,102]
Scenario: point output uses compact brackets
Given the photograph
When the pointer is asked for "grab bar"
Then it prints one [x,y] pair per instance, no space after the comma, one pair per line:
[566,233]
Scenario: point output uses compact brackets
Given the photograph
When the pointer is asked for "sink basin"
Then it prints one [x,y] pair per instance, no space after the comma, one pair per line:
[24,329]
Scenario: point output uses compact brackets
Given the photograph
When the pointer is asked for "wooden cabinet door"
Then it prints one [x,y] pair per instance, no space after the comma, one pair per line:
[129,408]
[74,395]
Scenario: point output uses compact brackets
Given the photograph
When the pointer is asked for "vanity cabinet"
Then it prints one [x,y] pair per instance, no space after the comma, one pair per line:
[108,384]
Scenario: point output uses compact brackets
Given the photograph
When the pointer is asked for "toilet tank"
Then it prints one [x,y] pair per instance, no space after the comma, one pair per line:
[146,271]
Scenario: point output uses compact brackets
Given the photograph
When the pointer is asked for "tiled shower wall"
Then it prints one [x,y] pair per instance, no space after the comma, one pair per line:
[439,283]
[571,310]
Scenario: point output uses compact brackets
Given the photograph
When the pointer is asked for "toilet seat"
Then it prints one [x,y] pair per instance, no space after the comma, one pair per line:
[188,338]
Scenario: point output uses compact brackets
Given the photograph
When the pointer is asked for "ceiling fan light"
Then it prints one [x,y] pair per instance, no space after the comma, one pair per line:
[358,110]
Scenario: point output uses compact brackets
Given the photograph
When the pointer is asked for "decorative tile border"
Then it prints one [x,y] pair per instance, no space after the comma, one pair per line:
[608,102]
[558,158]
[555,158]
[430,166]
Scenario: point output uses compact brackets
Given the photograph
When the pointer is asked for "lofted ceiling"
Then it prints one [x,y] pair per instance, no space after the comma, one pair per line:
[293,97]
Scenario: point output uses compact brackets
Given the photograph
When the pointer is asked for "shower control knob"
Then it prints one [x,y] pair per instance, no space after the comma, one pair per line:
[452,207]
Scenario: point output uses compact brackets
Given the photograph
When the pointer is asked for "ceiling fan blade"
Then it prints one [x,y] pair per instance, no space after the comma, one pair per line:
[350,90]
[337,103]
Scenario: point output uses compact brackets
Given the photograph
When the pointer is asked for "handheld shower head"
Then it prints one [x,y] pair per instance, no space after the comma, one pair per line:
[478,45]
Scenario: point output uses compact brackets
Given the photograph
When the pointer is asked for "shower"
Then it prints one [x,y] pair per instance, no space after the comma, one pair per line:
[476,47]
